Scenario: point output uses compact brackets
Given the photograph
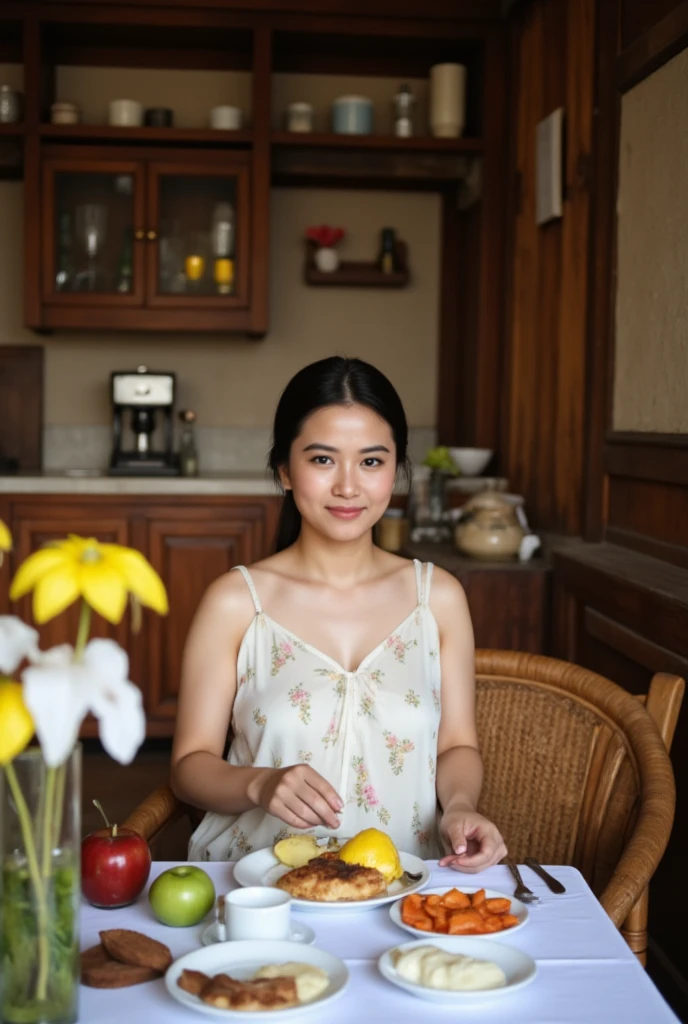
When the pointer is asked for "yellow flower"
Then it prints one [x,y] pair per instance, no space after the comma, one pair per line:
[103,574]
[5,540]
[16,724]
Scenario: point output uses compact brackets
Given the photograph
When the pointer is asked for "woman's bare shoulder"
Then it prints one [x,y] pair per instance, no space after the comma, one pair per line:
[229,596]
[447,596]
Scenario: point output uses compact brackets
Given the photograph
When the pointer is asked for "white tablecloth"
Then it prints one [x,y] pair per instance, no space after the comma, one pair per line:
[586,972]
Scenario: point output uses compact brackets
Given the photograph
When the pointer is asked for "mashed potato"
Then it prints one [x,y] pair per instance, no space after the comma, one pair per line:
[435,968]
[311,981]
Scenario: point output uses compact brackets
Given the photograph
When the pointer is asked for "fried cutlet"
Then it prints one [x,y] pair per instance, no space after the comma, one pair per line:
[130,947]
[328,880]
[99,970]
[227,993]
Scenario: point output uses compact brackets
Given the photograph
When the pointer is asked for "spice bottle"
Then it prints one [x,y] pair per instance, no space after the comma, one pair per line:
[188,453]
[387,253]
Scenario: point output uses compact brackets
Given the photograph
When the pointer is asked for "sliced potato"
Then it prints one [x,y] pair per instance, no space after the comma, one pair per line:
[296,851]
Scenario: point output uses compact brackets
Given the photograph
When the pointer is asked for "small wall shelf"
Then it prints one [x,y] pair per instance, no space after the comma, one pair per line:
[358,273]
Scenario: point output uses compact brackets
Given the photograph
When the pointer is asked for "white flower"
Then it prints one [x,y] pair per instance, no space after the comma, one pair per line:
[17,641]
[59,692]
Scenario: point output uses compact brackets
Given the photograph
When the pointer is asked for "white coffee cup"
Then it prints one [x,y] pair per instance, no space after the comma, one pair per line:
[257,912]
[226,117]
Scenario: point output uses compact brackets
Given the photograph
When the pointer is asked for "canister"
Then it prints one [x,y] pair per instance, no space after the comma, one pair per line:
[352,115]
[299,117]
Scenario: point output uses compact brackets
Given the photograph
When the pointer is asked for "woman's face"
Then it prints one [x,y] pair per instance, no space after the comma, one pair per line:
[342,468]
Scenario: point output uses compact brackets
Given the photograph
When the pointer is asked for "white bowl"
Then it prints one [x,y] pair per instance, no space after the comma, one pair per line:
[471,461]
[520,969]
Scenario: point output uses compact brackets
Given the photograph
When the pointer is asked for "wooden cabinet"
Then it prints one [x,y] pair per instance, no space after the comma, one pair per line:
[190,550]
[145,238]
[190,541]
[508,601]
[32,526]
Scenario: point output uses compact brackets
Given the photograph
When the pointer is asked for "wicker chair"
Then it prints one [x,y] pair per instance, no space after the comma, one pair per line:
[576,772]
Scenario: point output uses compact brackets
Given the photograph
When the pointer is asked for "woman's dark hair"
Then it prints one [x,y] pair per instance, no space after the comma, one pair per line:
[333,381]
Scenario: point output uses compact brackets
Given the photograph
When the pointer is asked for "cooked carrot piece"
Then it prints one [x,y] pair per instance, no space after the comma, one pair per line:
[494,923]
[456,900]
[498,905]
[508,920]
[441,920]
[414,900]
[465,922]
[477,898]
[434,900]
[423,924]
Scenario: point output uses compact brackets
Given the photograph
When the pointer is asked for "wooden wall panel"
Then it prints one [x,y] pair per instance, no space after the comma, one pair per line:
[544,424]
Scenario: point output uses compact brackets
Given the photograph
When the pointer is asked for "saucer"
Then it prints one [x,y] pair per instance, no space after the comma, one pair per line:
[297,933]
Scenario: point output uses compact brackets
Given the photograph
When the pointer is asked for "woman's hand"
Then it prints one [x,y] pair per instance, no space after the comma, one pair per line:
[475,841]
[298,795]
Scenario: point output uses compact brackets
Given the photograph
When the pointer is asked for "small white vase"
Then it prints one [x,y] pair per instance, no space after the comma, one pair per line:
[326,259]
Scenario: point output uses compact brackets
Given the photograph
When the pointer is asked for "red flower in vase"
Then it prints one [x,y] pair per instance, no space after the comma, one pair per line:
[325,236]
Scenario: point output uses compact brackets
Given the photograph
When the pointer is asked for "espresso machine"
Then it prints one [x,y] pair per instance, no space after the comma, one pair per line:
[140,396]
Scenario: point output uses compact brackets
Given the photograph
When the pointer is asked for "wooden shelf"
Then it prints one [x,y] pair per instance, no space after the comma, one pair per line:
[358,273]
[13,130]
[417,144]
[202,136]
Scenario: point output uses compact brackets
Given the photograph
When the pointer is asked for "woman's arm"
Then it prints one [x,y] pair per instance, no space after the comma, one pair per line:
[475,842]
[200,775]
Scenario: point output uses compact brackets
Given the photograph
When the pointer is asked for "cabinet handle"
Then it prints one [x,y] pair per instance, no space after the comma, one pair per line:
[139,234]
[152,235]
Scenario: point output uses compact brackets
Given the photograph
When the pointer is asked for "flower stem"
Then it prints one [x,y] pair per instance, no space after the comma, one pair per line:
[46,843]
[35,875]
[83,630]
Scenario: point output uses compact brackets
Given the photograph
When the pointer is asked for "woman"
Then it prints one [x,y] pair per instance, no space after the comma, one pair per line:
[345,671]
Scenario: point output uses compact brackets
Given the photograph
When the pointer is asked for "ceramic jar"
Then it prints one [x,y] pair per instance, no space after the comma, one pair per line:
[352,115]
[489,527]
[125,113]
[447,100]
[299,117]
[64,113]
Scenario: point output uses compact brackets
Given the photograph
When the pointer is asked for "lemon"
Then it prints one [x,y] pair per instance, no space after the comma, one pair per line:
[373,849]
[16,724]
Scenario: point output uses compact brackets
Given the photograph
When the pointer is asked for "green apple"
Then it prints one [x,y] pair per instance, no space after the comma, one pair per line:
[182,896]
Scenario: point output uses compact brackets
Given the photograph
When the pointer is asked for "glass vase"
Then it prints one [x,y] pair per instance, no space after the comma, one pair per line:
[40,834]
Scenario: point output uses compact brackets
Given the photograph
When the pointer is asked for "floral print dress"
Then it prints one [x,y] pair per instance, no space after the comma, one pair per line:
[371,733]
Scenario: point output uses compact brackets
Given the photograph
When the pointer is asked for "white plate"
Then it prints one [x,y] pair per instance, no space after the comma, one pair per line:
[263,868]
[241,960]
[518,909]
[519,968]
[298,932]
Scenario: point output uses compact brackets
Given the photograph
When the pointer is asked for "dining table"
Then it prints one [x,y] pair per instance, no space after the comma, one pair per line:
[586,973]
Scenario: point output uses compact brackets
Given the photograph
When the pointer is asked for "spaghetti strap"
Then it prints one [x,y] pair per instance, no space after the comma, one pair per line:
[418,566]
[425,590]
[251,586]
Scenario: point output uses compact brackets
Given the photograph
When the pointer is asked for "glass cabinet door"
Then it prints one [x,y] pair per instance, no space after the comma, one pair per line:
[200,232]
[94,213]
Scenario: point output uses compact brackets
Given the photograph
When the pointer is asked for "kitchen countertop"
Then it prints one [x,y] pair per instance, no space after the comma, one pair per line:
[247,484]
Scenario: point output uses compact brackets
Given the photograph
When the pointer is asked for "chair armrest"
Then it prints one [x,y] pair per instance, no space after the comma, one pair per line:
[158,810]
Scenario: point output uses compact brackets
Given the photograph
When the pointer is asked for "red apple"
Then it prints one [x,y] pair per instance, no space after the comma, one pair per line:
[115,864]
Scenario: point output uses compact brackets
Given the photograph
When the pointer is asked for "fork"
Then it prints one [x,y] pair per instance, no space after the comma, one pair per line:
[522,892]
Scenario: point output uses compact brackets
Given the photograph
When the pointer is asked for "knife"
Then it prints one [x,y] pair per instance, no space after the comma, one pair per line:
[552,883]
